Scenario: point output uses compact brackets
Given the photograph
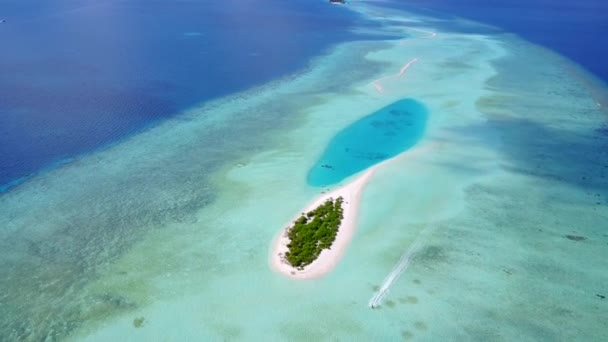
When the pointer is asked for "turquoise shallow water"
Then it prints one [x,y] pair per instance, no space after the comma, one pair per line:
[370,140]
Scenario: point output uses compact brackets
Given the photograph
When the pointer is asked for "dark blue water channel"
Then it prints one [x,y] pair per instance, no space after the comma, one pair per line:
[76,75]
[370,140]
[575,29]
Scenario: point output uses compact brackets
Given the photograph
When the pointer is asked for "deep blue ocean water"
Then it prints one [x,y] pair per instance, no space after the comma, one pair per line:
[76,75]
[575,29]
[370,140]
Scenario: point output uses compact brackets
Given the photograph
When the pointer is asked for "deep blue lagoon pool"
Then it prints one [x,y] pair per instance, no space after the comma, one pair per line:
[370,140]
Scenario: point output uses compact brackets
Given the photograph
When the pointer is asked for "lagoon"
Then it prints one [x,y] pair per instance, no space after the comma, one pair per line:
[370,140]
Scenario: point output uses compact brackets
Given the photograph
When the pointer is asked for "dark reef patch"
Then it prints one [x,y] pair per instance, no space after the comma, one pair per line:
[419,325]
[139,322]
[407,335]
[431,255]
[531,148]
[576,237]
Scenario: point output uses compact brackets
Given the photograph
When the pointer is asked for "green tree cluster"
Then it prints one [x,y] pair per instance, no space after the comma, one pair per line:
[313,232]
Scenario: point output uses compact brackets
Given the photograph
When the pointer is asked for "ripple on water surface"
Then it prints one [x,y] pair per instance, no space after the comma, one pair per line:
[370,140]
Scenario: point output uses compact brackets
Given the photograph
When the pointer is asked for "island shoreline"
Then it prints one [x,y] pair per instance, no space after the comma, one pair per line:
[328,258]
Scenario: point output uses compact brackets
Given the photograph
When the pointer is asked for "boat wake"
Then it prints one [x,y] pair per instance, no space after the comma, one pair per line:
[400,267]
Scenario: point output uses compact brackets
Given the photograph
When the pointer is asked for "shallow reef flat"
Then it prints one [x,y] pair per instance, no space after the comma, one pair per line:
[167,235]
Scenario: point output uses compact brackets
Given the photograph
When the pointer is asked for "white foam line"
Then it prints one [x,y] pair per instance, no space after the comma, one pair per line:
[429,34]
[376,83]
[399,268]
[401,72]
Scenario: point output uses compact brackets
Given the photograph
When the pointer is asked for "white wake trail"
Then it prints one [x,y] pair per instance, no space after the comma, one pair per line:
[401,266]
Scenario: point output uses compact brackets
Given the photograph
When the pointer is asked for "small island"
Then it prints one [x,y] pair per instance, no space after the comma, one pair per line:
[313,242]
[313,232]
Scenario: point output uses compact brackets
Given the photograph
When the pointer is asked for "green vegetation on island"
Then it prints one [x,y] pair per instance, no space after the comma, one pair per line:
[313,232]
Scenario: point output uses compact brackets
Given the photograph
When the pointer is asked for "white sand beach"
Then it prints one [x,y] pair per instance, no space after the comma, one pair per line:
[328,259]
